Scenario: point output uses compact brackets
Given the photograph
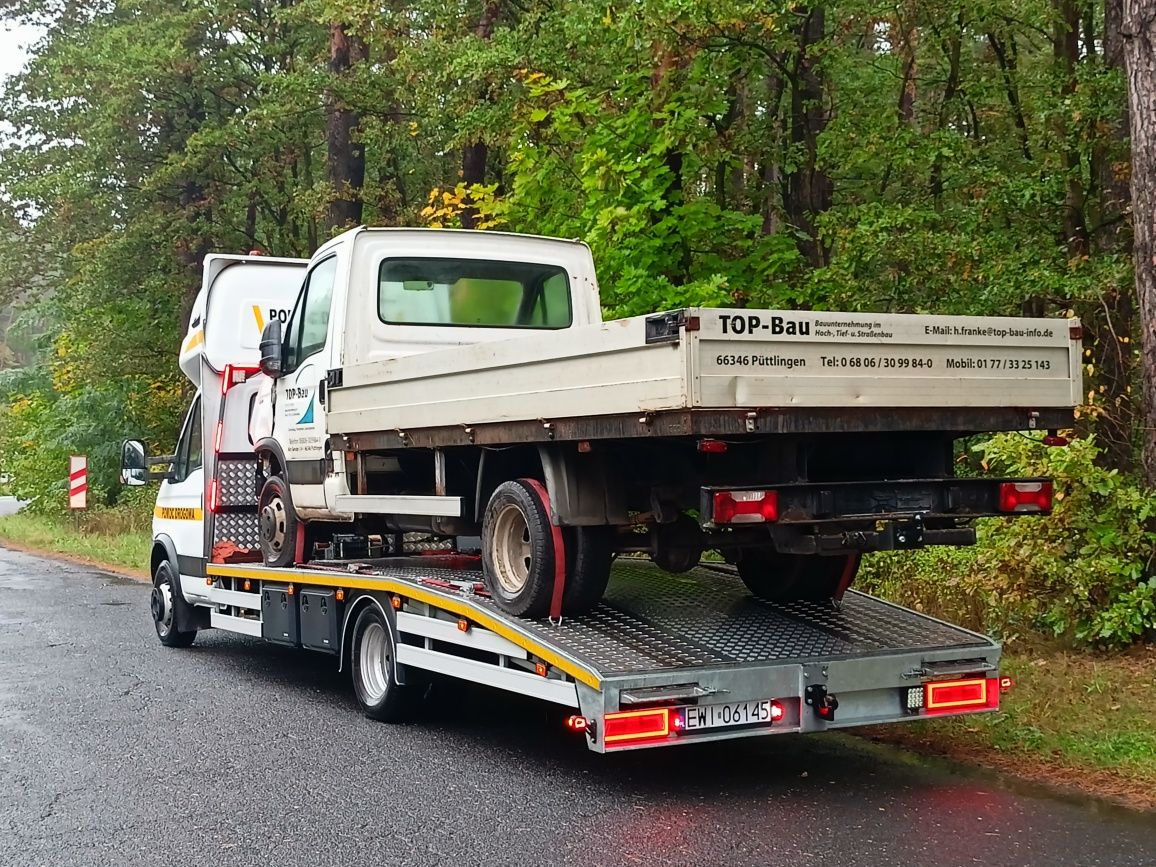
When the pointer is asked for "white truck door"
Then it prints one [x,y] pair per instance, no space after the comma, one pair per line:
[179,512]
[299,408]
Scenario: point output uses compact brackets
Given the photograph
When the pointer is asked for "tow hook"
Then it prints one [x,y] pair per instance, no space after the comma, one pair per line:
[821,702]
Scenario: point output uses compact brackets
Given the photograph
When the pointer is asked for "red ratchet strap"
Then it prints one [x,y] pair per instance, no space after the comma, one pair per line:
[299,545]
[559,550]
[850,570]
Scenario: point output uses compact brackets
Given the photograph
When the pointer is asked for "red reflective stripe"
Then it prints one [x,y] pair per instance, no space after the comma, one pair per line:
[850,570]
[559,549]
[79,474]
[78,487]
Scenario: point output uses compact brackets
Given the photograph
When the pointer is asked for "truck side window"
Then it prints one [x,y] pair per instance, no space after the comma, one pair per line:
[190,449]
[309,324]
[473,292]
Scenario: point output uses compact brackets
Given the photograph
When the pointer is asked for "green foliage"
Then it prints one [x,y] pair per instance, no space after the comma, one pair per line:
[597,165]
[1082,574]
[40,428]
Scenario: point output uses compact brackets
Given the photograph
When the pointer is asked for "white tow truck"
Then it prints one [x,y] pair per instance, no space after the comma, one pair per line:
[294,512]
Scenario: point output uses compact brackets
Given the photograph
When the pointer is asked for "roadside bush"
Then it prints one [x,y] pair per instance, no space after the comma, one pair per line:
[1083,574]
[40,427]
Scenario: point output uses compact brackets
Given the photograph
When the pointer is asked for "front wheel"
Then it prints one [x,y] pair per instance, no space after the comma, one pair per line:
[779,577]
[277,524]
[163,605]
[374,669]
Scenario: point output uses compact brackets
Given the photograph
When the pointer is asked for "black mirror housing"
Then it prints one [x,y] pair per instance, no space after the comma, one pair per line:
[271,360]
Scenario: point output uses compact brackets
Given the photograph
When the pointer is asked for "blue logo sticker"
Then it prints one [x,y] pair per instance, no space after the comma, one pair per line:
[308,417]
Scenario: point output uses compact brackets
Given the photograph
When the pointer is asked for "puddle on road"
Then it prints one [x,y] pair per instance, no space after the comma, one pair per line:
[948,771]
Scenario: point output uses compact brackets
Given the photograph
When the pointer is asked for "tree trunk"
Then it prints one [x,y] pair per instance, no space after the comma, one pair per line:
[1139,32]
[950,92]
[346,156]
[1009,71]
[476,154]
[1110,328]
[1066,50]
[809,188]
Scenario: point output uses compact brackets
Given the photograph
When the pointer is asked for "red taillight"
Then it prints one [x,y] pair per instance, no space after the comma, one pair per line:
[948,696]
[214,495]
[577,723]
[777,711]
[235,375]
[636,725]
[1006,684]
[1025,496]
[217,437]
[746,507]
[712,447]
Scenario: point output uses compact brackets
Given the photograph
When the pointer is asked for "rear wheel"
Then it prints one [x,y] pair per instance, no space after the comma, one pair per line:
[588,558]
[277,524]
[374,669]
[518,555]
[779,577]
[163,606]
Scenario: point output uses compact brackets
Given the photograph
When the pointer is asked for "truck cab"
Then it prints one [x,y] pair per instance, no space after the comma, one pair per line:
[212,467]
[379,294]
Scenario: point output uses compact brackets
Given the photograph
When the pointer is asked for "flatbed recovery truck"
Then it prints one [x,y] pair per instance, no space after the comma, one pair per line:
[661,659]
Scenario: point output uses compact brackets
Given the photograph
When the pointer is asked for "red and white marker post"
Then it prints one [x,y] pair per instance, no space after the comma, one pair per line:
[78,482]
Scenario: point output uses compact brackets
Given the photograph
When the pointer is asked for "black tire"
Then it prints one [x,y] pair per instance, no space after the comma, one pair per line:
[373,665]
[162,602]
[777,577]
[588,558]
[277,523]
[518,573]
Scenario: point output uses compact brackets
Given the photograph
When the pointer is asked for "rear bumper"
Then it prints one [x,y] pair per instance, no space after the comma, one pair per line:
[826,517]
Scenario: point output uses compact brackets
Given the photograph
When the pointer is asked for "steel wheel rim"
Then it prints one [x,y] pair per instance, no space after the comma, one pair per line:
[511,549]
[374,663]
[273,523]
[161,603]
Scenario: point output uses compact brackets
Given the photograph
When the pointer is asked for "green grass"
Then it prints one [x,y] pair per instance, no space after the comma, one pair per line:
[104,538]
[1068,711]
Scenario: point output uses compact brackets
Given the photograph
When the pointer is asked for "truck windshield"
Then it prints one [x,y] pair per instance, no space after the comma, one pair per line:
[473,292]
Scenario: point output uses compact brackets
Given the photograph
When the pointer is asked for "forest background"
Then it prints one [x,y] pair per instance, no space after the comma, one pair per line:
[931,157]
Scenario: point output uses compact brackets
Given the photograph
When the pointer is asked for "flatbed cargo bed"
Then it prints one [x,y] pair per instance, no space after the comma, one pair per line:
[660,639]
[649,367]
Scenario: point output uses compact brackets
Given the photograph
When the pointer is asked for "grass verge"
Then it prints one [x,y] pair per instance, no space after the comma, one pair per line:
[1075,721]
[125,550]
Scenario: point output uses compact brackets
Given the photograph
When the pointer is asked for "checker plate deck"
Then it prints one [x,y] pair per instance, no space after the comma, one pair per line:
[651,621]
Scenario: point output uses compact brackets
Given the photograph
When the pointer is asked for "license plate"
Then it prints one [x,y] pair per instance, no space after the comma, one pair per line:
[739,713]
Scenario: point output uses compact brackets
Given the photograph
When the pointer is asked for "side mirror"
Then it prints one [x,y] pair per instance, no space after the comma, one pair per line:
[133,464]
[271,349]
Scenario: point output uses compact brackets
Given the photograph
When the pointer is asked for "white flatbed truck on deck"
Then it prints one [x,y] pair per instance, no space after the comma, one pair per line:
[661,660]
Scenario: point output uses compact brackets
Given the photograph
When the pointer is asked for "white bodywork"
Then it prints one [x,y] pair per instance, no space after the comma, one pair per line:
[899,361]
[238,296]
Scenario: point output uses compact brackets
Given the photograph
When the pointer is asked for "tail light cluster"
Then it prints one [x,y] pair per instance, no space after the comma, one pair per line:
[746,507]
[1025,496]
[956,696]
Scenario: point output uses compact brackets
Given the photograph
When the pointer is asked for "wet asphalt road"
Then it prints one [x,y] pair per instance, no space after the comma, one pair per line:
[117,751]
